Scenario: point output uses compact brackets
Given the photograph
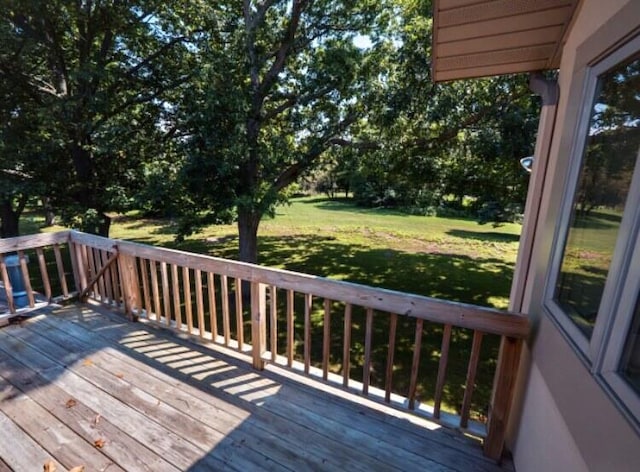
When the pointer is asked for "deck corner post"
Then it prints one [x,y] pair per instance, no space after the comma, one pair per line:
[129,283]
[258,323]
[502,396]
[7,285]
[77,264]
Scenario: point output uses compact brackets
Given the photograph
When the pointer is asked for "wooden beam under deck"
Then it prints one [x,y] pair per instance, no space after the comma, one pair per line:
[80,374]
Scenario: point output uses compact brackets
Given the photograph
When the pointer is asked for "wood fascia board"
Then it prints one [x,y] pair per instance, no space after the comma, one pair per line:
[554,61]
[488,71]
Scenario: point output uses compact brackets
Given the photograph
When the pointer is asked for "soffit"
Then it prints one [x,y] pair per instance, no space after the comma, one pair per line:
[476,38]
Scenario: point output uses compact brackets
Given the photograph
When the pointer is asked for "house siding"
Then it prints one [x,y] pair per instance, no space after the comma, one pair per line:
[566,421]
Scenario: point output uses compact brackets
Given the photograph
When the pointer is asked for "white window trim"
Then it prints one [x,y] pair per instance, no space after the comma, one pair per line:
[602,353]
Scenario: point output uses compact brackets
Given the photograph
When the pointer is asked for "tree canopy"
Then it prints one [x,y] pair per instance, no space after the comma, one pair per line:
[210,110]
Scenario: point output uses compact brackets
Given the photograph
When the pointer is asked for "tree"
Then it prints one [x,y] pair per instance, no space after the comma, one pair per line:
[281,80]
[99,71]
[426,145]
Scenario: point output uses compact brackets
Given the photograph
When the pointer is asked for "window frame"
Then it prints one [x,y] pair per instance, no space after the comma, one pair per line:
[603,351]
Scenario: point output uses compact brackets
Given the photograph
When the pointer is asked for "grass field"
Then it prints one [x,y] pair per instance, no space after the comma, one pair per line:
[450,258]
[454,259]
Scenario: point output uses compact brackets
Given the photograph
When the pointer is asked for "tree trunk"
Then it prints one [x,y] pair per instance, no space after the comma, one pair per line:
[49,215]
[248,221]
[9,220]
[104,225]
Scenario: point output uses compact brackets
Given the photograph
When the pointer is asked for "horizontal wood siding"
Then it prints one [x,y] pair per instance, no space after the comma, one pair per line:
[481,38]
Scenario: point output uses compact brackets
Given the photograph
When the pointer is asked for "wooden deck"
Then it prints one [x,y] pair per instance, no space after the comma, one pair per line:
[82,386]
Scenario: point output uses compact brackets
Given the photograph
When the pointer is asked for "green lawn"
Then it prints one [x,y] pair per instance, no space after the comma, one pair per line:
[450,258]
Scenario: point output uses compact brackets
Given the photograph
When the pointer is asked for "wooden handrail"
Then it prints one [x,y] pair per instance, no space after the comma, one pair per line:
[458,314]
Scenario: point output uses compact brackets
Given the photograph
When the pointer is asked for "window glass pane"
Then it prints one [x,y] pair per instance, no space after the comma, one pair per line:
[610,154]
[630,362]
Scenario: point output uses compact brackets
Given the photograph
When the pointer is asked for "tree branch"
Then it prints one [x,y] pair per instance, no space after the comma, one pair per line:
[284,50]
[291,173]
[293,100]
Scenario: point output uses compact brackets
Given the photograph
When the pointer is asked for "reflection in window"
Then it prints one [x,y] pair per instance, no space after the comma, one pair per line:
[610,153]
[630,362]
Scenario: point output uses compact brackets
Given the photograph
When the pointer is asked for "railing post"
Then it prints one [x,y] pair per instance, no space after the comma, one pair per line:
[79,271]
[502,396]
[258,323]
[8,290]
[129,283]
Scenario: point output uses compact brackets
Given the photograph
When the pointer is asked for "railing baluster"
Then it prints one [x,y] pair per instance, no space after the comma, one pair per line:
[186,292]
[166,292]
[155,292]
[175,286]
[471,378]
[415,364]
[366,369]
[114,271]
[44,274]
[213,315]
[60,267]
[273,293]
[346,347]
[239,317]
[290,328]
[224,287]
[258,323]
[134,281]
[388,381]
[199,304]
[308,300]
[146,296]
[7,285]
[97,256]
[104,257]
[87,257]
[26,278]
[326,338]
[442,370]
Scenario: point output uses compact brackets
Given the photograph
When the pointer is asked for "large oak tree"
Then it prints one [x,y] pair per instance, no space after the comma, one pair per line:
[280,81]
[99,72]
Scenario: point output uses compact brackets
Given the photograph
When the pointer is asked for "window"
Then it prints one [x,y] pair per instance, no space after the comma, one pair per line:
[609,158]
[594,285]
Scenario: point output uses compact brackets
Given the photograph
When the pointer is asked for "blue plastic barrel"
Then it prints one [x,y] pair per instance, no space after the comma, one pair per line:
[18,286]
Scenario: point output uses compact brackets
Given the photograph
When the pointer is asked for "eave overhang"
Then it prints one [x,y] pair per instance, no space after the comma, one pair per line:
[478,38]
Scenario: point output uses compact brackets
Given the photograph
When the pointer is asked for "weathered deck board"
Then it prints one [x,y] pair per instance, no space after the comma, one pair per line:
[165,403]
[51,434]
[366,436]
[19,450]
[244,383]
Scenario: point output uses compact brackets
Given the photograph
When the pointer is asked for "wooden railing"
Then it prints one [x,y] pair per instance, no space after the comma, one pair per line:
[244,306]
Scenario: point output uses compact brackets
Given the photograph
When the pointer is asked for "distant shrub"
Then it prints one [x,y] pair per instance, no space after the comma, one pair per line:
[497,213]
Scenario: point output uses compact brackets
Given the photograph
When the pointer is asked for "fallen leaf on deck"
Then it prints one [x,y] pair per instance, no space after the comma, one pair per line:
[120,376]
[49,466]
[79,468]
[99,443]
[97,419]
[87,362]
[71,403]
